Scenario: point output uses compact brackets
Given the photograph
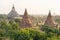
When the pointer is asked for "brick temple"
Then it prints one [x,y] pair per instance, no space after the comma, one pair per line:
[49,21]
[26,22]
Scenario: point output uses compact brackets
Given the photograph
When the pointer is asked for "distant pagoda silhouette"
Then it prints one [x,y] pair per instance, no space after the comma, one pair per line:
[13,12]
[49,21]
[26,21]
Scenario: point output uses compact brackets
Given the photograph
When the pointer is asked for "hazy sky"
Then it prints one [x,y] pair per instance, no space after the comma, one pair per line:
[33,6]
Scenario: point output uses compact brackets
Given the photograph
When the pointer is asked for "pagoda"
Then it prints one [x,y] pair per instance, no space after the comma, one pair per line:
[13,13]
[49,21]
[26,22]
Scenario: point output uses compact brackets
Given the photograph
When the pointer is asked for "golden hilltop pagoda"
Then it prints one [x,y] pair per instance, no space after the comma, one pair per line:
[49,21]
[26,21]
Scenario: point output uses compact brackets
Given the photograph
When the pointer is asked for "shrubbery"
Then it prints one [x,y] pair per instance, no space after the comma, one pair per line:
[11,30]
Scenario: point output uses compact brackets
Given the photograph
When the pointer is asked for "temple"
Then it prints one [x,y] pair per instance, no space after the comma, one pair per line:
[26,21]
[49,21]
[13,13]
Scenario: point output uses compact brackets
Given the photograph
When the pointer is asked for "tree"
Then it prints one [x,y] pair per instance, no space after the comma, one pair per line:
[30,34]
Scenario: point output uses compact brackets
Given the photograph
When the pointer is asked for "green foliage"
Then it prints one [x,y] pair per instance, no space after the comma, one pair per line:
[11,29]
[22,35]
[17,20]
[30,34]
[51,32]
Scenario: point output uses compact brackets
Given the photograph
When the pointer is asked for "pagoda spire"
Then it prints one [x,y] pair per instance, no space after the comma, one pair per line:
[49,15]
[26,21]
[13,13]
[13,8]
[25,14]
[49,21]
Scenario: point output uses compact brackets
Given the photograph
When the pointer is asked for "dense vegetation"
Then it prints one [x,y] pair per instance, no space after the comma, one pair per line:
[10,30]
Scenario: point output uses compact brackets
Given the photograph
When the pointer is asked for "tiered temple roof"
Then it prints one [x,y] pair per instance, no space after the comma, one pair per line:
[26,21]
[49,21]
[13,13]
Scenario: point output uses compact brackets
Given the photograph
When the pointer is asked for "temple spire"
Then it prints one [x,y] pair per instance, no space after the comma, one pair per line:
[49,13]
[26,21]
[25,14]
[13,13]
[13,8]
[49,21]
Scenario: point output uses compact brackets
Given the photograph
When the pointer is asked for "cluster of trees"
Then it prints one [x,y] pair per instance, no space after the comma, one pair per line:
[51,32]
[7,28]
[10,29]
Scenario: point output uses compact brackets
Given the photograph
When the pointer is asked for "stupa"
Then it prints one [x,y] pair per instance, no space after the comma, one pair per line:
[13,13]
[26,21]
[49,21]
